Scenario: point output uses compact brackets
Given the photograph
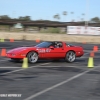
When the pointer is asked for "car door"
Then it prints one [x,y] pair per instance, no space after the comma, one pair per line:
[42,52]
[56,52]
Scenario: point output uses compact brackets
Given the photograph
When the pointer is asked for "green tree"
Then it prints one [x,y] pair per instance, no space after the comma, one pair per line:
[72,15]
[64,14]
[73,20]
[57,16]
[82,19]
[5,17]
[26,18]
[83,16]
[95,19]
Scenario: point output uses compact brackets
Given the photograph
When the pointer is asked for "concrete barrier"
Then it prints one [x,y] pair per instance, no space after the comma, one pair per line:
[50,37]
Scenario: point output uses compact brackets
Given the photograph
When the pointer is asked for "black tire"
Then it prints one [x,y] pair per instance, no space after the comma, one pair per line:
[33,59]
[70,56]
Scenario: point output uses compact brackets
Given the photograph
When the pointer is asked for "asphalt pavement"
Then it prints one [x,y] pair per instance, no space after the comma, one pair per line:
[50,80]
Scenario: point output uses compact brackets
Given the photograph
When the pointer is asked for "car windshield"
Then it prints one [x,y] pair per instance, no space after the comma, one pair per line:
[44,44]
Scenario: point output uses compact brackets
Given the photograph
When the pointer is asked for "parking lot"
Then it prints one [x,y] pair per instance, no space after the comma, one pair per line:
[50,80]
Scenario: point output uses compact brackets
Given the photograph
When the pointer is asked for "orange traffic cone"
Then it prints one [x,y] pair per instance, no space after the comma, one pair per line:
[83,42]
[95,48]
[3,52]
[92,54]
[37,40]
[11,40]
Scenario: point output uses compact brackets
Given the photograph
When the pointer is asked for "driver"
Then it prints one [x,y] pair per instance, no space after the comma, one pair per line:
[57,45]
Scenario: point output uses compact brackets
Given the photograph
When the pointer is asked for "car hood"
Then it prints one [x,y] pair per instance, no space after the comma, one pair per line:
[19,49]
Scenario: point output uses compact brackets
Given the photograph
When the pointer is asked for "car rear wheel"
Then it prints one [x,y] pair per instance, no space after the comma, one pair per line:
[70,56]
[32,57]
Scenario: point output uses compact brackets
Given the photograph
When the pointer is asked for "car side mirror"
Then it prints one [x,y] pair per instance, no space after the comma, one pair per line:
[51,47]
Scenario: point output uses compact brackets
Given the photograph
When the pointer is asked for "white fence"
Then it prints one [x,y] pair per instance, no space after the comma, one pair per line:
[82,30]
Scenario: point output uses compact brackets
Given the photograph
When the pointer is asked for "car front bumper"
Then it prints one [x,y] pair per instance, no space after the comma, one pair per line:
[11,55]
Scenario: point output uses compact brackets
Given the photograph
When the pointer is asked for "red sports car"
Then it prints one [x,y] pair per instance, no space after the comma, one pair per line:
[47,50]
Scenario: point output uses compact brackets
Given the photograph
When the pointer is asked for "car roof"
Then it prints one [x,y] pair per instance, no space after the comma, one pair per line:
[52,41]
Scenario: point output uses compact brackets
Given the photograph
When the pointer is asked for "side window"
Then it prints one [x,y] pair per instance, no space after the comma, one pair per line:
[53,44]
[58,45]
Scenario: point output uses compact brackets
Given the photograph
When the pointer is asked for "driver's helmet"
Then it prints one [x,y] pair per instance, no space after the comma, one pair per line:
[57,44]
[60,44]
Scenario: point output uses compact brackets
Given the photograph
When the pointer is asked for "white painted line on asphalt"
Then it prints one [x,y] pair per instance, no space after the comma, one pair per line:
[88,50]
[56,66]
[9,67]
[50,66]
[4,60]
[88,57]
[11,42]
[59,84]
[86,54]
[91,51]
[24,69]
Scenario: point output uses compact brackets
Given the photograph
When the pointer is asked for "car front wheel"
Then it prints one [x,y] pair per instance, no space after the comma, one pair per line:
[70,56]
[32,57]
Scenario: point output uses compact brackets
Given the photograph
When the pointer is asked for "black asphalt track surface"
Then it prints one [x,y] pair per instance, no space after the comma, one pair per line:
[50,80]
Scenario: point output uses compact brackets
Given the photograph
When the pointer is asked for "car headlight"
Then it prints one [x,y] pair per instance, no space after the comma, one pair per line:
[23,54]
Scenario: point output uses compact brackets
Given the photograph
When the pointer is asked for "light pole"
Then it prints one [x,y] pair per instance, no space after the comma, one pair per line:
[87,13]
